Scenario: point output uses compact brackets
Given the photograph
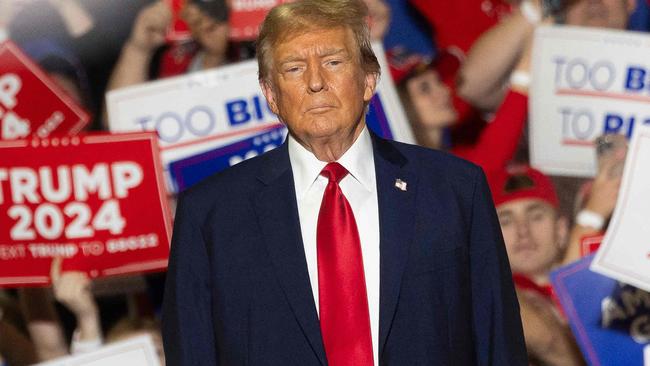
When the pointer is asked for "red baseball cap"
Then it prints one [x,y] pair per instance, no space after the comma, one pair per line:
[404,64]
[519,182]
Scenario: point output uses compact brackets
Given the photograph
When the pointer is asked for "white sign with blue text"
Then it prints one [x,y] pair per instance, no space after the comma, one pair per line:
[193,113]
[586,82]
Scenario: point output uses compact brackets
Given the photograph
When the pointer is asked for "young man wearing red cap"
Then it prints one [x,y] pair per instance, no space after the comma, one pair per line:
[535,236]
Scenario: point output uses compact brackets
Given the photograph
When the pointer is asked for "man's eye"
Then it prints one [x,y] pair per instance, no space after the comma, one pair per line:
[334,62]
[292,69]
[537,216]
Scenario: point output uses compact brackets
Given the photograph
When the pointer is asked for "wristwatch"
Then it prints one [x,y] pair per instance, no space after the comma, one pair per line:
[590,219]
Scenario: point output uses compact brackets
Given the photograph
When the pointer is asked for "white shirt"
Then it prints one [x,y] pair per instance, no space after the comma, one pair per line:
[360,189]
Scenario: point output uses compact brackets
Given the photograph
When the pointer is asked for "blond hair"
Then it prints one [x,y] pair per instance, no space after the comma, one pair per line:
[299,17]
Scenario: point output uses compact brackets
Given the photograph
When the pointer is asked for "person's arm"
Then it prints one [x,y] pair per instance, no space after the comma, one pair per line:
[72,289]
[132,66]
[498,141]
[498,334]
[187,324]
[492,58]
[547,339]
[147,35]
[379,12]
[43,324]
[78,21]
[601,201]
[15,347]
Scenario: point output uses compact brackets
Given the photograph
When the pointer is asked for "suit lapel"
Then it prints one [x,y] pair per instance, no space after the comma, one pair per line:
[396,223]
[277,213]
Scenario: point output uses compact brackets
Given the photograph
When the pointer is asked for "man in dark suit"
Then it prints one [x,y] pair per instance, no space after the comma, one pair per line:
[338,248]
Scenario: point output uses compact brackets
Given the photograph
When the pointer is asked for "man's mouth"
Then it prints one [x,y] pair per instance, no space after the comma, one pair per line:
[319,108]
[526,247]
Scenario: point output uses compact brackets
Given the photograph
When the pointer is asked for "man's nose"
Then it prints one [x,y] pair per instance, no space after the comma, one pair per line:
[315,78]
[523,229]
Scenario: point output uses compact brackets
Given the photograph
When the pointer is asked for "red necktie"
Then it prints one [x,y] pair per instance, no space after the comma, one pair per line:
[343,302]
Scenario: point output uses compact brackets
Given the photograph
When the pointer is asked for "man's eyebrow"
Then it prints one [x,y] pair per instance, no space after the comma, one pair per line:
[325,53]
[504,212]
[535,206]
[333,51]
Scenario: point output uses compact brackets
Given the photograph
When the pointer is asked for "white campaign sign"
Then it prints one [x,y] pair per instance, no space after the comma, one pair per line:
[625,252]
[137,351]
[586,82]
[193,113]
[209,109]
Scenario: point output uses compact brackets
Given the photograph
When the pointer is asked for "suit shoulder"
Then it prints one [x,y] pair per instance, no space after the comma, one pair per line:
[437,160]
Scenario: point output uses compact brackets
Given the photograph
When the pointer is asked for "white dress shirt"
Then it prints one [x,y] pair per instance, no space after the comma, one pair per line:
[360,189]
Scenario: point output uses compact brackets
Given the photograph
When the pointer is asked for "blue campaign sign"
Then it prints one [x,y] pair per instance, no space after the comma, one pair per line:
[189,171]
[376,118]
[192,170]
[611,321]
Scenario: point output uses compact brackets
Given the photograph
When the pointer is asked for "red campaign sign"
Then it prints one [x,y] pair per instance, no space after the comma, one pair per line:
[30,103]
[247,15]
[589,244]
[97,200]
[178,30]
[244,20]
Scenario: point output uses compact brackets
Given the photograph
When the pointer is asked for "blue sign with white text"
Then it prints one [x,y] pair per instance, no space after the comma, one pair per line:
[611,321]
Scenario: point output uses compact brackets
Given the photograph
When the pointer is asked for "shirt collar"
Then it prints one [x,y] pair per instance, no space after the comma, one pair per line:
[358,160]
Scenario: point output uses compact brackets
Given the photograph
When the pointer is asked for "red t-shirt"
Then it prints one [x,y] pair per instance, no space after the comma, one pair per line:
[460,22]
[497,141]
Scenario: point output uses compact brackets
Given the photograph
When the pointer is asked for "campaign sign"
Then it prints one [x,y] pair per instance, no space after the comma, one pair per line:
[30,103]
[246,16]
[194,113]
[190,171]
[610,321]
[136,351]
[625,253]
[586,82]
[207,110]
[97,201]
[178,30]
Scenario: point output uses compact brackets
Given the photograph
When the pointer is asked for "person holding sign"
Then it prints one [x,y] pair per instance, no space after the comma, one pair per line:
[490,62]
[208,24]
[338,247]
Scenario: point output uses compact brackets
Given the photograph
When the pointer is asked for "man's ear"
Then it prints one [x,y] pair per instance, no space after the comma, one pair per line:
[269,94]
[372,78]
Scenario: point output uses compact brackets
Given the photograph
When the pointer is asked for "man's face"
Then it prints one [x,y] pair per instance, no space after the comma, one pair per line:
[600,13]
[533,234]
[317,85]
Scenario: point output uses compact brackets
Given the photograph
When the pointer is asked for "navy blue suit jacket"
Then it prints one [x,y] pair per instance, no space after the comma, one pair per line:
[238,291]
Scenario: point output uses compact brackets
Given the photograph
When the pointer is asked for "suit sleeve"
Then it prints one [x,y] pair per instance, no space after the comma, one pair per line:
[188,331]
[498,333]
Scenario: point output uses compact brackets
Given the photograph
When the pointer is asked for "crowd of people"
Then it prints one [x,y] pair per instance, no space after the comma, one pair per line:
[470,98]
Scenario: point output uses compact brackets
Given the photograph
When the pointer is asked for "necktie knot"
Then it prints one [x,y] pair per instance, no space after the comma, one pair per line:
[334,172]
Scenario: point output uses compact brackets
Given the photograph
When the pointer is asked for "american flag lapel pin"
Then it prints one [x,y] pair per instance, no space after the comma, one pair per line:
[400,184]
